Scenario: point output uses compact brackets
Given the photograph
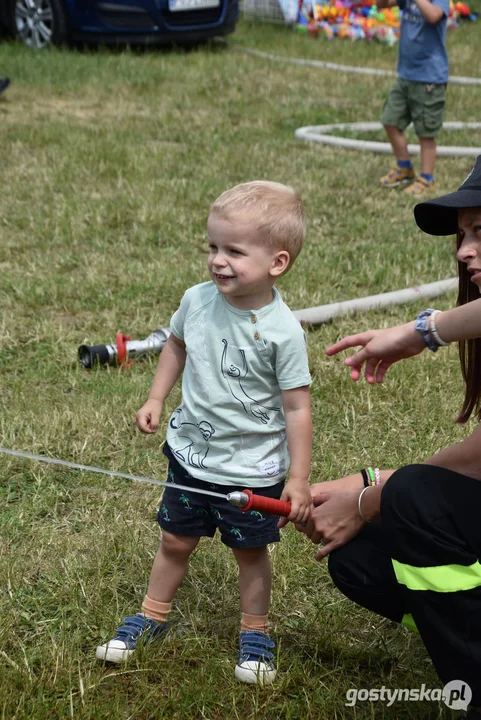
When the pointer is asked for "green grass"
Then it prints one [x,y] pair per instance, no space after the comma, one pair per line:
[108,164]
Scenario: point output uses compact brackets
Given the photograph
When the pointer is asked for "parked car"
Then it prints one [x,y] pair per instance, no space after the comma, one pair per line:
[40,23]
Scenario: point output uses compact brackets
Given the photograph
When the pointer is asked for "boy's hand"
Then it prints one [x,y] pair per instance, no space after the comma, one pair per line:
[298,494]
[147,418]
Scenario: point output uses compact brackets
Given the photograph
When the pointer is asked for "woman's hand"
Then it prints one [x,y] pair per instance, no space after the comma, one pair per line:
[380,350]
[341,485]
[334,520]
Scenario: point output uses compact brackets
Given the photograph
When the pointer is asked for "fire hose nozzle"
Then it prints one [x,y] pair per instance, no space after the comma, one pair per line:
[91,355]
[238,499]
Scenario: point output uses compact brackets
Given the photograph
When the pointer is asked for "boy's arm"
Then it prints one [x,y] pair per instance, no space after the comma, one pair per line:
[297,411]
[431,13]
[169,369]
[170,366]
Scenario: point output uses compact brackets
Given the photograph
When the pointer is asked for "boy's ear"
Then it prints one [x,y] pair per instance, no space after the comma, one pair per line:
[280,263]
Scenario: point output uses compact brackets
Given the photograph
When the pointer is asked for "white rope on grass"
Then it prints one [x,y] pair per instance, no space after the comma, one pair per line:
[320,134]
[323,65]
[325,313]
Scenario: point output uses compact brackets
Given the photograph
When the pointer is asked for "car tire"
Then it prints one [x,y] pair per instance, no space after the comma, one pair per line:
[39,23]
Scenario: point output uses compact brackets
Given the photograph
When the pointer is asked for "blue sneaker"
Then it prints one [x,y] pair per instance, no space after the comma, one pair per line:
[136,628]
[255,658]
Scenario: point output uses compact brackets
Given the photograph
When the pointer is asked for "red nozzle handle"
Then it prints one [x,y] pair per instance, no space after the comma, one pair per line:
[269,505]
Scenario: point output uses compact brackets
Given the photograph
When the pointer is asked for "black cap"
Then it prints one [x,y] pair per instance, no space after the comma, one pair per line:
[440,216]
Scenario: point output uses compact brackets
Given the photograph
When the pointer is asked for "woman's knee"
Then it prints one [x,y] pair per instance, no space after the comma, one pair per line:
[362,563]
[402,494]
[339,566]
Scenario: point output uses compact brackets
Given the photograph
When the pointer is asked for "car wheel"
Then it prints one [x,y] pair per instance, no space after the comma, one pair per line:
[39,23]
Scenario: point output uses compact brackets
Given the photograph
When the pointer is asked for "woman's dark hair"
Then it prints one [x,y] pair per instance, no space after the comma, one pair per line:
[469,350]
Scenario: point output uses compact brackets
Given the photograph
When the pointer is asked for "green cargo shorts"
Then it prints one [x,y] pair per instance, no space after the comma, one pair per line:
[415,102]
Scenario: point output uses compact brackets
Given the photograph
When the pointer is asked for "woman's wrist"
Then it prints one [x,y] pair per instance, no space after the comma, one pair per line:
[369,503]
[426,326]
[371,476]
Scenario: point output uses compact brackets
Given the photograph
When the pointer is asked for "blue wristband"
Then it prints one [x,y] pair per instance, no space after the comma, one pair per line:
[422,327]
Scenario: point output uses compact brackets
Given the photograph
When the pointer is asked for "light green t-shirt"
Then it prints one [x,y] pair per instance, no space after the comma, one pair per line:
[230,427]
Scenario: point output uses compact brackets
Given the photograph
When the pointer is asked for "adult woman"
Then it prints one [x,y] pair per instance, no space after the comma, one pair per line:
[407,543]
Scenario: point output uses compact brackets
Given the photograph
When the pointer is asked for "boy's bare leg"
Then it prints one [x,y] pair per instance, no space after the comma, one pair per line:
[168,571]
[398,142]
[254,580]
[428,155]
[255,664]
[170,566]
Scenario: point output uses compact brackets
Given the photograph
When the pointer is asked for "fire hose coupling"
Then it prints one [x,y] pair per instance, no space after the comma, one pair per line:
[238,499]
[124,350]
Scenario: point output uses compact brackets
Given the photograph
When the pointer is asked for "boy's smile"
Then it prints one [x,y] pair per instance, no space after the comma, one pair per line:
[241,264]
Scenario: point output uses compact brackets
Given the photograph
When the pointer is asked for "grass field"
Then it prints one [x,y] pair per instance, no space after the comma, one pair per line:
[108,164]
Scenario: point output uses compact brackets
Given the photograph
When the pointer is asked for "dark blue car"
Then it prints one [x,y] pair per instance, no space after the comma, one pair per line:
[39,23]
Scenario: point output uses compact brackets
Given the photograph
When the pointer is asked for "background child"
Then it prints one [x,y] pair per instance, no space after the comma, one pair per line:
[245,409]
[418,95]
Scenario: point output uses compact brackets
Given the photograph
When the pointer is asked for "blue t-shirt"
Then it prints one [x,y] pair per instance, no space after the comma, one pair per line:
[422,45]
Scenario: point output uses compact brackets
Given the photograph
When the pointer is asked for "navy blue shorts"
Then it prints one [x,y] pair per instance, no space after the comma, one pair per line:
[194,515]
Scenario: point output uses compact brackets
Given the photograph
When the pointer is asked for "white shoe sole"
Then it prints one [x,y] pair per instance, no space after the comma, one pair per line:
[112,654]
[254,674]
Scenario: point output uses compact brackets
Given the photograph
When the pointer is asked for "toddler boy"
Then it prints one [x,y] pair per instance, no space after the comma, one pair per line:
[244,417]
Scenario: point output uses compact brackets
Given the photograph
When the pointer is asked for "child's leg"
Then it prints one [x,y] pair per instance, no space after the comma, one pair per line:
[399,143]
[248,534]
[427,107]
[255,587]
[255,664]
[395,117]
[403,173]
[170,566]
[428,155]
[425,182]
[168,571]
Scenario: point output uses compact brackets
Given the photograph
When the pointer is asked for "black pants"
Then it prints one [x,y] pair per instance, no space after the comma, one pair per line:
[422,558]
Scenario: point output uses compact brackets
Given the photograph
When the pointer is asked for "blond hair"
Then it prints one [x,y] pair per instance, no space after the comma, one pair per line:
[275,209]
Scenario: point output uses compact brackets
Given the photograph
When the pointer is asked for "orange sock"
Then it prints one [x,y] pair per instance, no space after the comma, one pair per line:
[255,622]
[155,610]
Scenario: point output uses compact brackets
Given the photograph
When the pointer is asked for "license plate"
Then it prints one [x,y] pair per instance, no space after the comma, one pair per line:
[178,5]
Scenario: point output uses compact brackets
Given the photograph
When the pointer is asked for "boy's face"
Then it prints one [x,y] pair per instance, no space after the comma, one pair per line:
[243,269]
[469,251]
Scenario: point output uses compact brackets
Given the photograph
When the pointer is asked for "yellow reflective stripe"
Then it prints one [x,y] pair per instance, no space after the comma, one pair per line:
[408,622]
[443,578]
